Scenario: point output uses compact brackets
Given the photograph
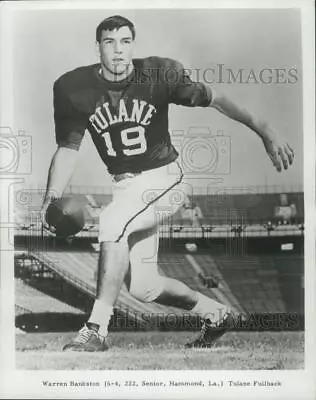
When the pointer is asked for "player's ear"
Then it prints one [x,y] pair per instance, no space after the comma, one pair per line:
[97,49]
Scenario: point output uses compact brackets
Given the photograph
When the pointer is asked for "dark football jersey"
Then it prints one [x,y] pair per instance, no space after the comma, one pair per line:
[127,120]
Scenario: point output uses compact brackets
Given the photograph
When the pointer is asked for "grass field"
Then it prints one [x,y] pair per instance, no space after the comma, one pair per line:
[164,350]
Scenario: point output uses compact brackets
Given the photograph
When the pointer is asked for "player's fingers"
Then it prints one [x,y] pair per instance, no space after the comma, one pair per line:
[289,152]
[283,158]
[51,233]
[289,156]
[48,231]
[51,230]
[290,149]
[275,161]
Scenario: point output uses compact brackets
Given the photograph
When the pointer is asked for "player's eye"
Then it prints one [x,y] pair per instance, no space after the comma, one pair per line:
[127,41]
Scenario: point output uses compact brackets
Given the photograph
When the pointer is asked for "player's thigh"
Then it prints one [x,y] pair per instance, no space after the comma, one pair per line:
[157,208]
[114,218]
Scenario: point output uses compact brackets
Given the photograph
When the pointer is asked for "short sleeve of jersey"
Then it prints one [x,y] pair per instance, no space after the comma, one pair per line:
[70,124]
[182,90]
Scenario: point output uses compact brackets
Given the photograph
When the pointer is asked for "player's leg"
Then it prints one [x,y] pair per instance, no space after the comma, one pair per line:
[112,267]
[147,285]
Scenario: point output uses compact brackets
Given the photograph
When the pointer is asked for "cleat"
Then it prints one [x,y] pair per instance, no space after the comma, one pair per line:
[87,340]
[211,332]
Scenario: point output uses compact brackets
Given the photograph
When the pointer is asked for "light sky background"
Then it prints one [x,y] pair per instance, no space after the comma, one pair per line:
[48,43]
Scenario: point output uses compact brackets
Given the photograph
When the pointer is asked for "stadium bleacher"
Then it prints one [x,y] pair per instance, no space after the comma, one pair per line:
[290,273]
[263,283]
[34,301]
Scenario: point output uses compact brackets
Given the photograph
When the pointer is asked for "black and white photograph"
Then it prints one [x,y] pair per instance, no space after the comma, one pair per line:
[157,172]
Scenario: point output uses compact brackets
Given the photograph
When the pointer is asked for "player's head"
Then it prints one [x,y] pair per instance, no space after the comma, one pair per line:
[115,38]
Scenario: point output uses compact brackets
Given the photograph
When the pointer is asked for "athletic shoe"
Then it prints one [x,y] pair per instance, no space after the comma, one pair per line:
[211,332]
[87,340]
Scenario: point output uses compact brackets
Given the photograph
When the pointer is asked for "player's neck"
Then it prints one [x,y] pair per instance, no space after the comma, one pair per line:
[113,77]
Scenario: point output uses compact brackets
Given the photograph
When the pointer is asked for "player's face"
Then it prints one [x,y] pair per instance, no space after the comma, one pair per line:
[116,49]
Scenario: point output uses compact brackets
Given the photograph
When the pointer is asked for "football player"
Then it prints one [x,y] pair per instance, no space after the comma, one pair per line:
[123,103]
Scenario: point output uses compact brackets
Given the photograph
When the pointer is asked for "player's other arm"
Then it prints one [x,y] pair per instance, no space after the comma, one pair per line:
[183,91]
[277,148]
[69,127]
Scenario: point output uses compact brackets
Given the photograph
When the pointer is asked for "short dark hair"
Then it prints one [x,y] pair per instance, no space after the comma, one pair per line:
[114,22]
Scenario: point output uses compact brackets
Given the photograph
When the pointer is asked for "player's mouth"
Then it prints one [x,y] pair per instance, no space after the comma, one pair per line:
[118,60]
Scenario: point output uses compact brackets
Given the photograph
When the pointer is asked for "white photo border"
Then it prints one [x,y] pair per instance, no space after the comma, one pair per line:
[27,384]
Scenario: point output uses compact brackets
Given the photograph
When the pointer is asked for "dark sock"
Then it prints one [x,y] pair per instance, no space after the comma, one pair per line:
[94,327]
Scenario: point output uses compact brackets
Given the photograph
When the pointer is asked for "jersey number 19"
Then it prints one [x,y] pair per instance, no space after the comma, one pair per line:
[138,142]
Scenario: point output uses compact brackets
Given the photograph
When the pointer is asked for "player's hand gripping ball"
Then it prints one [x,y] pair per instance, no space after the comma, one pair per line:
[66,215]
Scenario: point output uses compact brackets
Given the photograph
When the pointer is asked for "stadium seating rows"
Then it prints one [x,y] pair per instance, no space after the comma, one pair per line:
[253,284]
[249,283]
[34,301]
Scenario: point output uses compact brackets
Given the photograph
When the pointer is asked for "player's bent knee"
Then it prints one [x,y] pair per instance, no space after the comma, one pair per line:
[147,291]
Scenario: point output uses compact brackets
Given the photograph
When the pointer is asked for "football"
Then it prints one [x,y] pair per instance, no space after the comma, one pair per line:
[66,215]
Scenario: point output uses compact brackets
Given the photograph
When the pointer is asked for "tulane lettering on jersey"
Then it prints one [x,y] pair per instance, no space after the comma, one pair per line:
[127,120]
[141,113]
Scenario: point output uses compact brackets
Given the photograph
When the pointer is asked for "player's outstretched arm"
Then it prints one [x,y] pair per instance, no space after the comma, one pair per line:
[277,148]
[59,174]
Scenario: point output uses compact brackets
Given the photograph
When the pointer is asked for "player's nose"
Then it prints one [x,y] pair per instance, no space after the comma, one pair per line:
[117,48]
